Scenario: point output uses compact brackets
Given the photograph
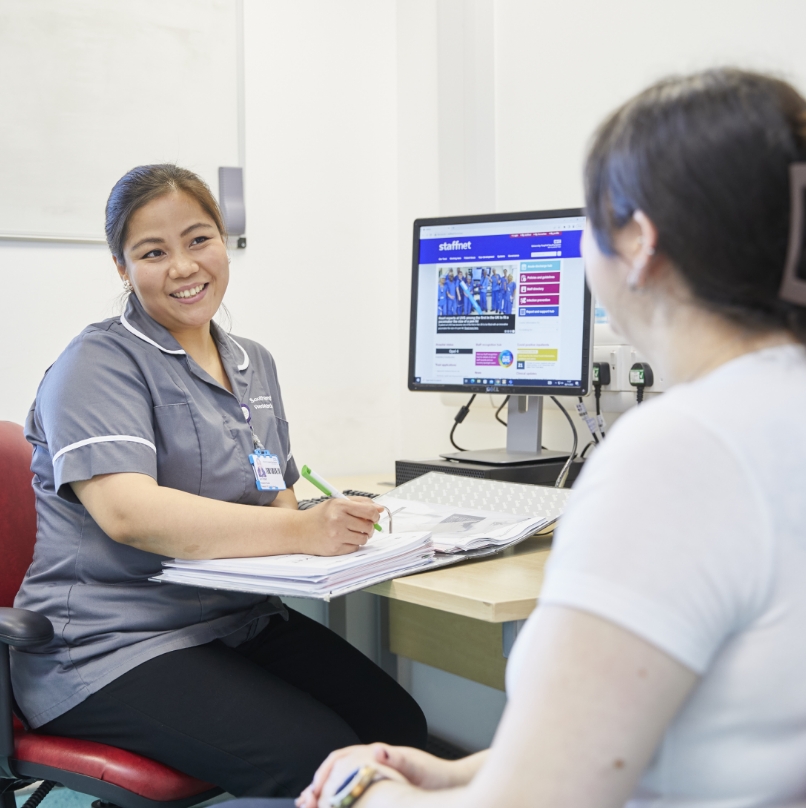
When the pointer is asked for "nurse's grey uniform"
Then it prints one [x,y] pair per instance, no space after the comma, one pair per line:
[137,403]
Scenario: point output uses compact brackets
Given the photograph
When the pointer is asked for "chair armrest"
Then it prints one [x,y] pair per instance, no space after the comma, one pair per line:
[22,628]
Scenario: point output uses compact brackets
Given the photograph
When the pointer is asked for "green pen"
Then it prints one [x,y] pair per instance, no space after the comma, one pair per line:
[325,487]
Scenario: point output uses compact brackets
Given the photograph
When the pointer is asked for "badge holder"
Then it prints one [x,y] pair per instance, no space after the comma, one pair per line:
[267,471]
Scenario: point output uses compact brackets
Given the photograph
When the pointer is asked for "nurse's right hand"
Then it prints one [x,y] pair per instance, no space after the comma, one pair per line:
[339,526]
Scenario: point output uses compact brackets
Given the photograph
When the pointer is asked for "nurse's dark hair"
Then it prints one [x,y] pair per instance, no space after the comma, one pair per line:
[706,157]
[143,184]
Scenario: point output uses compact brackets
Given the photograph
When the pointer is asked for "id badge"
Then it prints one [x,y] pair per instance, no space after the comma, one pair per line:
[266,468]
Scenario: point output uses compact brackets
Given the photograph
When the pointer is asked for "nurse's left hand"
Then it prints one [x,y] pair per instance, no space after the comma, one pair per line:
[337,767]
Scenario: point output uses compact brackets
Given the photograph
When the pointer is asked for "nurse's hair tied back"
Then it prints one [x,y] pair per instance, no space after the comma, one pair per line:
[707,157]
[143,184]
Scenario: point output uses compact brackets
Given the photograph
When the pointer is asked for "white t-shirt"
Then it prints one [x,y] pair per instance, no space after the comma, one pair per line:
[688,528]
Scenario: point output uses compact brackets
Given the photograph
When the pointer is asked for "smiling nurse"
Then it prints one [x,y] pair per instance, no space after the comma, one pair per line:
[142,431]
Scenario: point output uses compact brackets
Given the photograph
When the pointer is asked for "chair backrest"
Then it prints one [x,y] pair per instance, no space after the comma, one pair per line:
[17,510]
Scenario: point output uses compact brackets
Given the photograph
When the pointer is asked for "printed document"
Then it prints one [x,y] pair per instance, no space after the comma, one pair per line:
[458,529]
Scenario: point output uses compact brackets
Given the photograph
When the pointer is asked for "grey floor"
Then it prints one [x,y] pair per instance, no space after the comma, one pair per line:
[58,798]
[64,798]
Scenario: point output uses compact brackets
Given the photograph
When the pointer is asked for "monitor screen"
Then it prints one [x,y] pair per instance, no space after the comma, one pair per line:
[500,304]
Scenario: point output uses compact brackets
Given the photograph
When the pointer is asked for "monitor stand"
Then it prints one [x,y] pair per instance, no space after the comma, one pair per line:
[524,432]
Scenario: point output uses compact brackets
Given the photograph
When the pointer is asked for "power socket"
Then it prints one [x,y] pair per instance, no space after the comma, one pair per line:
[610,355]
[621,358]
[627,358]
[619,395]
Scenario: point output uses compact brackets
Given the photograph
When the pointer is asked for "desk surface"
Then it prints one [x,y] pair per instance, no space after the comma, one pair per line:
[498,589]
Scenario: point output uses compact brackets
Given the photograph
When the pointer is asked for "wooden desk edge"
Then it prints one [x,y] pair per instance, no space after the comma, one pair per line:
[401,589]
[408,590]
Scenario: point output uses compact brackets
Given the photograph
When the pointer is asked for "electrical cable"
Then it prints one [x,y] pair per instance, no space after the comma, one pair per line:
[585,450]
[44,789]
[453,442]
[563,475]
[599,417]
[591,422]
[460,416]
[498,412]
[601,378]
[641,377]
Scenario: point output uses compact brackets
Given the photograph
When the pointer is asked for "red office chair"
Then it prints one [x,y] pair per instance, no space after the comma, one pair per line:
[113,775]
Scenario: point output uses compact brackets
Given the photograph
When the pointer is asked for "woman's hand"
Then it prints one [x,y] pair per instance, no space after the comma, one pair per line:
[426,771]
[339,526]
[337,767]
[409,765]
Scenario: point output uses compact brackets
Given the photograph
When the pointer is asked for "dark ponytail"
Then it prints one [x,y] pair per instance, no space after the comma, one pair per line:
[707,158]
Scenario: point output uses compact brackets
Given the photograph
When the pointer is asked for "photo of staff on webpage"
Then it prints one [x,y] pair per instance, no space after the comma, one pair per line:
[476,300]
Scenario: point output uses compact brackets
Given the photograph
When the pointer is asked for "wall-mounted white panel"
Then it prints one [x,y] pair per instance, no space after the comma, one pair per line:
[91,88]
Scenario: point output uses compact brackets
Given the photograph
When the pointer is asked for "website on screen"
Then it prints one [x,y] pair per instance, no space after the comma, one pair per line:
[501,303]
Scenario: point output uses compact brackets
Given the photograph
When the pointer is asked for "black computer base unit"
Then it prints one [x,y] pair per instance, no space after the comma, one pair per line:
[544,473]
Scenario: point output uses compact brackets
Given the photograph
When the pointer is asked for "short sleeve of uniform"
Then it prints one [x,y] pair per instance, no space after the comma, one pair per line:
[95,412]
[292,475]
[666,535]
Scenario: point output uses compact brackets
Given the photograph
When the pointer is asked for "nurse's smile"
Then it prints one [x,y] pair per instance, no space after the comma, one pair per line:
[190,294]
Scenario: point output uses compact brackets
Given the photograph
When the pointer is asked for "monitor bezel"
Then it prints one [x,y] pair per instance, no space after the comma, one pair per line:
[516,390]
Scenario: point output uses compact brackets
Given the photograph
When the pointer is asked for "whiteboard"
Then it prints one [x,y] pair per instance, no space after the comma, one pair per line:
[92,88]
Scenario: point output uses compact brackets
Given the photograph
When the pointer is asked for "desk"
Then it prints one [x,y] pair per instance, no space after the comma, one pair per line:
[463,618]
[501,589]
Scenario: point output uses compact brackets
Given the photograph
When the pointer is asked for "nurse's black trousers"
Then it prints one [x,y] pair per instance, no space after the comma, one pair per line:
[256,720]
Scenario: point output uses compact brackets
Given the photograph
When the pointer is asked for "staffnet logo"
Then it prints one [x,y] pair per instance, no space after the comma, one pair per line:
[455,245]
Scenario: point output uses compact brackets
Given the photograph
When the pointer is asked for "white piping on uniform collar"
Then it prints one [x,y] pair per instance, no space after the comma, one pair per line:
[245,364]
[129,327]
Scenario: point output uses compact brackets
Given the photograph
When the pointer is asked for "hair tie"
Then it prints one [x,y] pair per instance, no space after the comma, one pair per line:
[793,284]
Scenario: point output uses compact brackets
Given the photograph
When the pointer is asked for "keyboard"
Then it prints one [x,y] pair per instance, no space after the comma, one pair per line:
[304,504]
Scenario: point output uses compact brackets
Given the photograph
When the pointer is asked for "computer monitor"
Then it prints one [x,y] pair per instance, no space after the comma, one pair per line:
[499,304]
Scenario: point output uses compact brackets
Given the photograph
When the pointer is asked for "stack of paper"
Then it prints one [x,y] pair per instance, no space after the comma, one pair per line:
[459,529]
[429,514]
[380,559]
